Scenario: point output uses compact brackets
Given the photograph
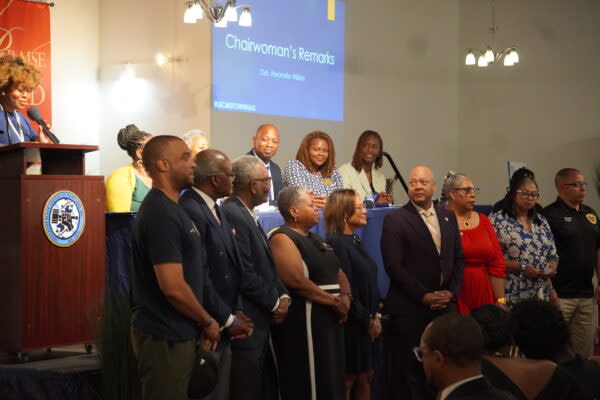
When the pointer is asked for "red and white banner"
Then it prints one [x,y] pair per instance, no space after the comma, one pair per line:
[25,31]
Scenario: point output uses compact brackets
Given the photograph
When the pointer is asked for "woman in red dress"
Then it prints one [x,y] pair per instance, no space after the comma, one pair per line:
[485,267]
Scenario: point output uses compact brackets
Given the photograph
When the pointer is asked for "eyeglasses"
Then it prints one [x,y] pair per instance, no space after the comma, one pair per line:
[223,174]
[361,207]
[264,180]
[528,195]
[419,353]
[578,185]
[468,190]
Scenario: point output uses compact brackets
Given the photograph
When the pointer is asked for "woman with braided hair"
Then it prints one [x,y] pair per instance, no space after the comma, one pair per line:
[485,269]
[127,186]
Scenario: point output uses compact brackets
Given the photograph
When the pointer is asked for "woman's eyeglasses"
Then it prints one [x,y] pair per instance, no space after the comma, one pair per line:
[528,195]
[468,190]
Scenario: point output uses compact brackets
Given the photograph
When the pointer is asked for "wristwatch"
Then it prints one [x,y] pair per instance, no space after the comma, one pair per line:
[501,300]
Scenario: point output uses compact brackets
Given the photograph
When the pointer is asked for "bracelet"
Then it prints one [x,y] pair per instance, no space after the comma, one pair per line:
[501,300]
[206,325]
[522,269]
[346,294]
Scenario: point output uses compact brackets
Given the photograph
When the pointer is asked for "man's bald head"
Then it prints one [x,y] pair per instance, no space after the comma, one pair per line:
[421,185]
[422,172]
[266,141]
[157,148]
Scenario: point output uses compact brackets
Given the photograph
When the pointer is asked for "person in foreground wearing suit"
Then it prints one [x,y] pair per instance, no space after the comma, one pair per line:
[264,146]
[423,256]
[212,180]
[167,262]
[253,369]
[450,350]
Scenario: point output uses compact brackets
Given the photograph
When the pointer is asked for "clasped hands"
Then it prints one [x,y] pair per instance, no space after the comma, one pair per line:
[531,272]
[242,328]
[341,305]
[437,300]
[281,312]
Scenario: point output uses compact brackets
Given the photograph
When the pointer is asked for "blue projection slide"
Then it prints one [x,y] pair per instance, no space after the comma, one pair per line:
[290,62]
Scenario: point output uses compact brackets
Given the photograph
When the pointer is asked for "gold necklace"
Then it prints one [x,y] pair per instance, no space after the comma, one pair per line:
[465,221]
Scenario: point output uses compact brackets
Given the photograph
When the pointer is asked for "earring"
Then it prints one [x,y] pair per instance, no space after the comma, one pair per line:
[3,93]
[295,220]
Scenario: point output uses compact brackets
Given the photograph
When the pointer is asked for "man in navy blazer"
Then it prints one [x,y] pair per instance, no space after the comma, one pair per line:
[212,180]
[422,254]
[264,146]
[253,372]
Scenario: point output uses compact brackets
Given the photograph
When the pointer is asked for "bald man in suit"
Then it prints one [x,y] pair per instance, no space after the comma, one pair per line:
[422,254]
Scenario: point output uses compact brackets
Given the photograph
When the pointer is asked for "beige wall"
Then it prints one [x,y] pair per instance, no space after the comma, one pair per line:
[543,111]
[75,96]
[170,100]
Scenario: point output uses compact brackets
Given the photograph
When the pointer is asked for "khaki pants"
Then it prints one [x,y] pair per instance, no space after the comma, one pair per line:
[579,313]
[164,367]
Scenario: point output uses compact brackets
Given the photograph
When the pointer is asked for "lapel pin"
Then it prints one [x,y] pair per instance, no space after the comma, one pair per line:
[446,218]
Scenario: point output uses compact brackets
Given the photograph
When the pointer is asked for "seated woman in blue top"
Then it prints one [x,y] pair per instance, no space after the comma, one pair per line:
[18,80]
[314,168]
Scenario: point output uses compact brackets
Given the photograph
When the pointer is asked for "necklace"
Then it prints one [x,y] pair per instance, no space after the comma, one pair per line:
[466,221]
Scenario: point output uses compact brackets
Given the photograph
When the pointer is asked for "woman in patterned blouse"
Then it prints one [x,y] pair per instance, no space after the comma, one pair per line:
[314,167]
[527,244]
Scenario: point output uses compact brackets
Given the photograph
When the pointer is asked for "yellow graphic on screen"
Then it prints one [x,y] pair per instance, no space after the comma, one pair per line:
[331,10]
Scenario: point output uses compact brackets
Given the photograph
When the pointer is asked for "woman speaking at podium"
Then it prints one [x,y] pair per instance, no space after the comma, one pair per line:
[18,79]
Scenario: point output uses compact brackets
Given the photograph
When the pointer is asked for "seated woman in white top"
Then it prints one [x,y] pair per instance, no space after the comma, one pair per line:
[362,174]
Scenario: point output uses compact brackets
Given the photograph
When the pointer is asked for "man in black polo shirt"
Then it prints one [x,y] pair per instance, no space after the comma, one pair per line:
[166,277]
[577,237]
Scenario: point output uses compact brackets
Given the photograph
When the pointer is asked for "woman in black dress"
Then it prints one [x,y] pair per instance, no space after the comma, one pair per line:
[309,344]
[344,213]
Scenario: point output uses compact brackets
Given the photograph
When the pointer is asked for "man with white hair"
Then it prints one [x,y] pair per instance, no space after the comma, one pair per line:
[252,371]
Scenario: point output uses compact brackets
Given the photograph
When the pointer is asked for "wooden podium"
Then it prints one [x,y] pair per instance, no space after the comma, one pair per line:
[50,291]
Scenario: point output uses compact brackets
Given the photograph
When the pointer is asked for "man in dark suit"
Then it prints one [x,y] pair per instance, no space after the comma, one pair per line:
[422,254]
[264,146]
[252,371]
[213,179]
[450,349]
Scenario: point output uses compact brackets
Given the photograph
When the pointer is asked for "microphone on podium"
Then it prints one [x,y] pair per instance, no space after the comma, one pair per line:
[35,114]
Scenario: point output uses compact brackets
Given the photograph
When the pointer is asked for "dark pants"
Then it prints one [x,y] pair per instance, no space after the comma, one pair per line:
[164,367]
[253,374]
[223,358]
[406,377]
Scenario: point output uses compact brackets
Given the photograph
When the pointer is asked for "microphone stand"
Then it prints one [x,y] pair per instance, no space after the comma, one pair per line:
[396,171]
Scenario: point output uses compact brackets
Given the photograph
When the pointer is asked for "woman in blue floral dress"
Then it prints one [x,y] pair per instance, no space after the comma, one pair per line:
[527,244]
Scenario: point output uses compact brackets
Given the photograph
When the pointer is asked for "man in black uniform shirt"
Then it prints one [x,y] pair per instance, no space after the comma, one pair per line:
[167,277]
[577,237]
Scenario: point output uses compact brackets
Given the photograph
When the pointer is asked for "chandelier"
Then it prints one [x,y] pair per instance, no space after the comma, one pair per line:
[219,14]
[484,58]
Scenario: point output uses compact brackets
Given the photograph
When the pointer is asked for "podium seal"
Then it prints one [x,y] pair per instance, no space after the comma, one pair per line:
[63,218]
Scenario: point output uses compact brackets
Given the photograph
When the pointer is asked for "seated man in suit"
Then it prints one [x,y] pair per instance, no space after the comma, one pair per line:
[251,358]
[212,180]
[450,350]
[422,254]
[264,146]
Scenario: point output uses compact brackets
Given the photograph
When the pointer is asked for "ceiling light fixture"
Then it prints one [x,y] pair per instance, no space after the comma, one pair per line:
[220,14]
[511,57]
